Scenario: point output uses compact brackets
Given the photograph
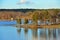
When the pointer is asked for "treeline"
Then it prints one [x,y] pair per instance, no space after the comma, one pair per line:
[34,14]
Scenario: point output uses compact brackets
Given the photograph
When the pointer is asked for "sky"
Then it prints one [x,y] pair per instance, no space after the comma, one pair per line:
[30,4]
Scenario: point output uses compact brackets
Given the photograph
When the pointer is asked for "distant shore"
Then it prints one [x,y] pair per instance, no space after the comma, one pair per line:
[38,26]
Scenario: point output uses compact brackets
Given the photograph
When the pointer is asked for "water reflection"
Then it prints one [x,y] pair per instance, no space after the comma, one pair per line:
[39,34]
[8,33]
[19,30]
[12,33]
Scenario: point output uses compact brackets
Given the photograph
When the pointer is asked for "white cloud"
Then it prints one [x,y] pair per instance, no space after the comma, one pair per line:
[25,2]
[22,1]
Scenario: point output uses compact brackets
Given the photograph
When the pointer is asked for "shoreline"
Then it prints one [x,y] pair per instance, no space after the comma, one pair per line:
[40,26]
[33,26]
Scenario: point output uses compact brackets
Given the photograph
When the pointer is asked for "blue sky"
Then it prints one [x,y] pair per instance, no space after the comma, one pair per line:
[34,4]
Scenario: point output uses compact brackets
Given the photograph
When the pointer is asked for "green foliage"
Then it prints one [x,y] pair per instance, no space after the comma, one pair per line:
[18,21]
[35,17]
[26,21]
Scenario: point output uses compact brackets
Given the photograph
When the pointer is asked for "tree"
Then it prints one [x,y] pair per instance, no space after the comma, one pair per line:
[35,16]
[19,21]
[54,16]
[26,21]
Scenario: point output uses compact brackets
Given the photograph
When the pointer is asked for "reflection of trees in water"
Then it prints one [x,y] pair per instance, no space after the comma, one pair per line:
[26,31]
[19,30]
[49,32]
[35,33]
[54,33]
[43,33]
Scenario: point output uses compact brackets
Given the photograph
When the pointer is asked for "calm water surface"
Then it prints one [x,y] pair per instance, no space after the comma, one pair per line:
[13,33]
[10,32]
